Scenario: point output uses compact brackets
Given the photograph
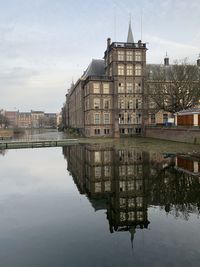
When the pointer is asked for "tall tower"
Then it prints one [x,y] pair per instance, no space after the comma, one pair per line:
[125,63]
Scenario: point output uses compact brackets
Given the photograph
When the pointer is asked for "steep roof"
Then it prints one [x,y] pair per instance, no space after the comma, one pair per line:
[96,68]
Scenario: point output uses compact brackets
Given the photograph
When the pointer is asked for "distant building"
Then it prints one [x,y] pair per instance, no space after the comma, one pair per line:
[12,117]
[37,119]
[24,120]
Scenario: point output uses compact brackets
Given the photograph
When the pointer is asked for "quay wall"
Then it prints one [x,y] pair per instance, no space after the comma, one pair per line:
[185,135]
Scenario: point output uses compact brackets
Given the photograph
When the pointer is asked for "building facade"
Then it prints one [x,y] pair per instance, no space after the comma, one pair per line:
[108,99]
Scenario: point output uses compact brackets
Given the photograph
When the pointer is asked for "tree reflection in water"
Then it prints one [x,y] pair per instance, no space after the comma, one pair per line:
[126,182]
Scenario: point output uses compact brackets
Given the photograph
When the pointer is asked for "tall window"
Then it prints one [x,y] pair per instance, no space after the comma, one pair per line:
[131,104]
[129,56]
[107,186]
[96,103]
[96,87]
[107,156]
[97,156]
[138,88]
[97,118]
[138,56]
[98,187]
[106,103]
[120,69]
[153,118]
[120,55]
[107,171]
[129,87]
[121,88]
[121,103]
[110,71]
[138,70]
[165,117]
[138,103]
[106,87]
[106,118]
[97,172]
[129,70]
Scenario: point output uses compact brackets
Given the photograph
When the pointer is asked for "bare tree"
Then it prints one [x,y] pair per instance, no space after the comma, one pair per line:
[4,121]
[175,87]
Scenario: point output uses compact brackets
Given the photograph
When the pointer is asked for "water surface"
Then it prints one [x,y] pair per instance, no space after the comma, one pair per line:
[100,205]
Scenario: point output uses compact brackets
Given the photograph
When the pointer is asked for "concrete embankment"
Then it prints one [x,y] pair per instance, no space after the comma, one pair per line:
[186,135]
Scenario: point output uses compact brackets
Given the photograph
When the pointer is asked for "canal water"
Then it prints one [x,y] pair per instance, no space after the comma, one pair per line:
[119,203]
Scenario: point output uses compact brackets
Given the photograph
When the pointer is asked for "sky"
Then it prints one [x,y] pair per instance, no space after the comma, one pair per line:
[47,44]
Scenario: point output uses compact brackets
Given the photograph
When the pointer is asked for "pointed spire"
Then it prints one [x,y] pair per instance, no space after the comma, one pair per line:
[130,33]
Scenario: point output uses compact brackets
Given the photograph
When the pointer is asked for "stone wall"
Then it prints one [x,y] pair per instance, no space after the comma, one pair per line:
[186,135]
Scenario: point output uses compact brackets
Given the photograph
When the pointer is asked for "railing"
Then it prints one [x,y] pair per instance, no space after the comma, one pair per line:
[129,45]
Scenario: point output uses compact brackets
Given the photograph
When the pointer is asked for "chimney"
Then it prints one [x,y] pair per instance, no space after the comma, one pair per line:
[108,42]
[166,60]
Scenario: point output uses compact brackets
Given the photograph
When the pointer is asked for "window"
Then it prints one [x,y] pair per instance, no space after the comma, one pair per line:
[120,69]
[153,118]
[106,118]
[122,216]
[97,187]
[106,87]
[122,186]
[107,171]
[110,72]
[138,88]
[138,56]
[97,156]
[140,216]
[130,104]
[96,87]
[122,202]
[121,103]
[107,186]
[106,131]
[131,216]
[121,88]
[138,70]
[130,185]
[139,201]
[96,103]
[129,70]
[120,55]
[138,103]
[165,117]
[106,103]
[107,155]
[131,202]
[96,131]
[97,118]
[129,88]
[129,55]
[97,172]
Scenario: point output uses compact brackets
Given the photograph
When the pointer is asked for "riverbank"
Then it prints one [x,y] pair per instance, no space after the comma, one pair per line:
[184,135]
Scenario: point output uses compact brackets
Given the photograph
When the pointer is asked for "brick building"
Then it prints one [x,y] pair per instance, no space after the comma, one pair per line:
[108,99]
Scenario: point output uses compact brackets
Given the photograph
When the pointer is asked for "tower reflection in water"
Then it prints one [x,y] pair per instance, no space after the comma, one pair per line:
[127,181]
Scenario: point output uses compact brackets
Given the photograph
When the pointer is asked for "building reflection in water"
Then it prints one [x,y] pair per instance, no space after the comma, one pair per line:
[127,181]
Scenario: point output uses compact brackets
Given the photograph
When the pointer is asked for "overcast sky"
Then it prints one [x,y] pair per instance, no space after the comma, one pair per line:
[45,44]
